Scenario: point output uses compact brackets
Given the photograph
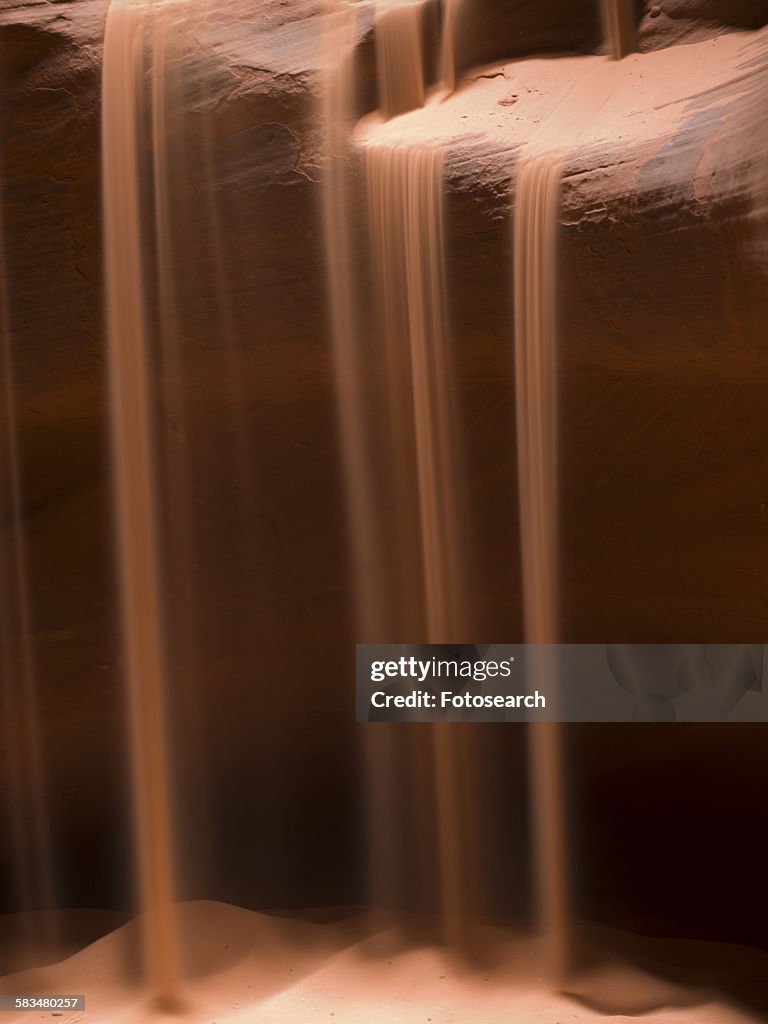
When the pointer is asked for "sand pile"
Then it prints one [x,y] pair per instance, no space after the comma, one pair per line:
[247,966]
[651,95]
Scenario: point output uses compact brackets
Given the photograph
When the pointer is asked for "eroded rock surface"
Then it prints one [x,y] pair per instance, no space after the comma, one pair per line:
[663,422]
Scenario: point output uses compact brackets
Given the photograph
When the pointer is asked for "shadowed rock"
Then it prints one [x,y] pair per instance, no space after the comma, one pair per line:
[663,427]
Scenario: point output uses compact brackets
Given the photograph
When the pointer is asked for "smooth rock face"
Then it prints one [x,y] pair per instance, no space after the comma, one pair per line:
[663,447]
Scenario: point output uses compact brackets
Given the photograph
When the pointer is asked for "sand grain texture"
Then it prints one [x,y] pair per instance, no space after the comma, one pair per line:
[245,966]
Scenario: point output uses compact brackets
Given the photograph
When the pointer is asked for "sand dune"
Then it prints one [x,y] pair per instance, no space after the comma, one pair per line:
[247,966]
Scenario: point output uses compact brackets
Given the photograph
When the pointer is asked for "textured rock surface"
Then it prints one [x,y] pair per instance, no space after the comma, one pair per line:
[487,30]
[664,428]
[664,279]
[672,21]
[490,30]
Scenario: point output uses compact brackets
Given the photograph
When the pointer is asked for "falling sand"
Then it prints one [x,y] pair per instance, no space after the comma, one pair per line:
[405,190]
[405,228]
[134,488]
[618,27]
[410,510]
[537,210]
[399,57]
[237,964]
[448,45]
[355,429]
[365,528]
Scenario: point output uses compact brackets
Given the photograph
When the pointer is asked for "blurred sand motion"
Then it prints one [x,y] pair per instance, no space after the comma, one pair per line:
[619,28]
[134,468]
[404,492]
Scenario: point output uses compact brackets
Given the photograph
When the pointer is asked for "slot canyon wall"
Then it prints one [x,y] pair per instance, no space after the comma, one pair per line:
[664,454]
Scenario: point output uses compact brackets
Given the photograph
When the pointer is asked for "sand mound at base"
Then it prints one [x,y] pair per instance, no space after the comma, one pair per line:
[247,966]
